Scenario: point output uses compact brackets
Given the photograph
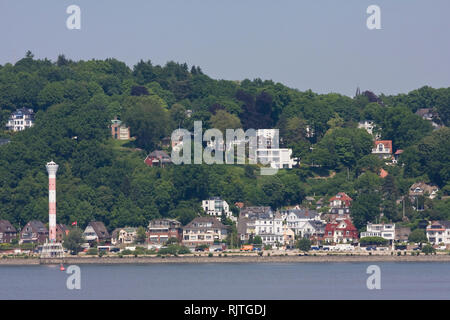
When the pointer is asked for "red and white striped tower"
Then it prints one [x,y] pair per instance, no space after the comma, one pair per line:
[52,168]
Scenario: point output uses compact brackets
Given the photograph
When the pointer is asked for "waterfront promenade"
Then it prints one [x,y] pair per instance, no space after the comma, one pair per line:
[325,258]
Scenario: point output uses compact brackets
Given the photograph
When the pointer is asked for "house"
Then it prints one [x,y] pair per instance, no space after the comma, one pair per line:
[313,230]
[261,221]
[297,219]
[161,230]
[370,127]
[268,152]
[438,232]
[402,234]
[423,189]
[383,149]
[96,232]
[158,158]
[204,231]
[61,232]
[288,236]
[239,205]
[119,131]
[341,200]
[386,231]
[245,228]
[340,232]
[215,207]
[125,235]
[7,232]
[20,120]
[339,207]
[429,115]
[34,232]
[397,155]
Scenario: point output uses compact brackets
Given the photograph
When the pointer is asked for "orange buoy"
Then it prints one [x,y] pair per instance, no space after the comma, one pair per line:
[61,267]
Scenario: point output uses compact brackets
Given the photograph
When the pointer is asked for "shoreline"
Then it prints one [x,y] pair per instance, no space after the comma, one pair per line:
[228,259]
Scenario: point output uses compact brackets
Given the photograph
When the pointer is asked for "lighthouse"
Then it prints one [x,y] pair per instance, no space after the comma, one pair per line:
[52,168]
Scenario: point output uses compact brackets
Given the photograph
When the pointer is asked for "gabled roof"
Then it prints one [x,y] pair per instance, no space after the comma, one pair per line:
[37,226]
[332,226]
[6,226]
[386,143]
[423,111]
[99,229]
[341,196]
[304,213]
[161,155]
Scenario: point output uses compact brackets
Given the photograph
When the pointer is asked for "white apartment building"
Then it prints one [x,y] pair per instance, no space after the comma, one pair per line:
[386,231]
[215,206]
[438,232]
[20,120]
[268,151]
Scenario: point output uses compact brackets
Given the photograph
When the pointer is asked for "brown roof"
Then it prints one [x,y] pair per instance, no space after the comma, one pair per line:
[36,226]
[100,229]
[208,222]
[242,225]
[6,226]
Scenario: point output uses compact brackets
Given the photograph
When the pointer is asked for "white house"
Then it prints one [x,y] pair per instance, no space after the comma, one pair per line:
[261,221]
[370,127]
[269,152]
[386,231]
[215,206]
[297,219]
[383,149]
[20,120]
[439,232]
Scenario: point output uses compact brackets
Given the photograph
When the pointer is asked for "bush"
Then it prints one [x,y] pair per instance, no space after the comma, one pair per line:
[304,244]
[126,252]
[210,254]
[92,252]
[373,241]
[428,249]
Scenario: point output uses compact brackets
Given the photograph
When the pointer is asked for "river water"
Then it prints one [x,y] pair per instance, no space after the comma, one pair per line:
[279,281]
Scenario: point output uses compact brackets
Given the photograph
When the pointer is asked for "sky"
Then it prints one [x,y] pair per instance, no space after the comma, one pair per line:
[322,45]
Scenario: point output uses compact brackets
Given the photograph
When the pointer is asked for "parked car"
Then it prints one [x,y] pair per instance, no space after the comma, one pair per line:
[315,248]
[114,250]
[218,250]
[256,249]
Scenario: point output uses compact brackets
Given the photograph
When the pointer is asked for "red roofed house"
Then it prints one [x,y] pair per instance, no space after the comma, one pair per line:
[340,232]
[383,149]
[397,154]
[341,200]
[339,207]
[157,158]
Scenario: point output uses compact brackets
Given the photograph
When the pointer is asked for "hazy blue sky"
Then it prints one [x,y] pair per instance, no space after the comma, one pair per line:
[323,45]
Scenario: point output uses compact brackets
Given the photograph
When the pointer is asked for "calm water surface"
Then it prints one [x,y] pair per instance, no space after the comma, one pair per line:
[229,281]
